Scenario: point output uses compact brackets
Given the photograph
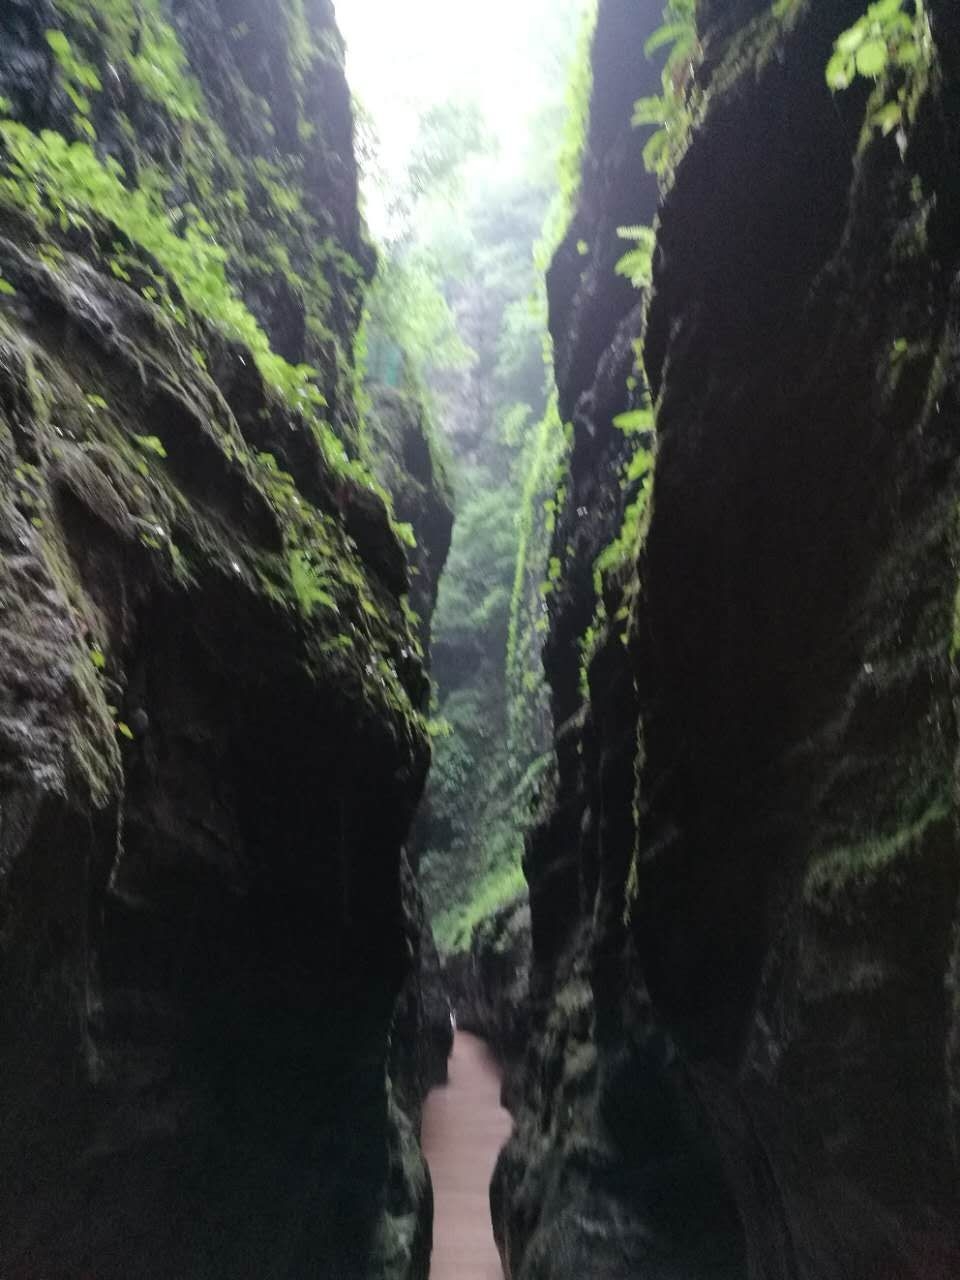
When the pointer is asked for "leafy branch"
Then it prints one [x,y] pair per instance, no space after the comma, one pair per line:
[669,112]
[884,39]
[637,264]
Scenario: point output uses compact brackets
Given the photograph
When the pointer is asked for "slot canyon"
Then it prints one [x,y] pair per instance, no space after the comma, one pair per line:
[479,640]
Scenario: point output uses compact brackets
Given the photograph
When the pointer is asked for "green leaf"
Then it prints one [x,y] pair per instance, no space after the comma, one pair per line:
[668,34]
[405,533]
[656,154]
[58,42]
[124,729]
[883,10]
[850,41]
[633,421]
[644,236]
[641,464]
[840,71]
[682,52]
[888,117]
[6,288]
[872,58]
[152,444]
[98,659]
[307,586]
[637,267]
[649,111]
[97,402]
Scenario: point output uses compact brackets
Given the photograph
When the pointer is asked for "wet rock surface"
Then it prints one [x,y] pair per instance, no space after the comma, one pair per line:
[744,889]
[211,697]
[408,466]
[488,987]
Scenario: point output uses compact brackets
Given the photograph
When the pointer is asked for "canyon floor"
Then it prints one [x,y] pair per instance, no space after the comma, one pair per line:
[464,1127]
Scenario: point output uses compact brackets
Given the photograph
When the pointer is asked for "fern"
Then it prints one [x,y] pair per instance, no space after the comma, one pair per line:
[634,421]
[306,584]
[637,265]
[669,113]
[67,183]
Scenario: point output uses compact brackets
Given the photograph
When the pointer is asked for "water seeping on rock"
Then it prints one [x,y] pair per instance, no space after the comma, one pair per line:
[478,640]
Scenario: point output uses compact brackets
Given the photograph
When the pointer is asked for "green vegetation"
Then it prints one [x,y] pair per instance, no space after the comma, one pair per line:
[458,312]
[573,141]
[886,39]
[838,867]
[65,184]
[885,36]
[151,444]
[207,234]
[670,113]
[203,227]
[637,265]
[138,37]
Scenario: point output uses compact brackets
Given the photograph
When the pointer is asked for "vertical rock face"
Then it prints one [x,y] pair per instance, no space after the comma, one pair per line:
[407,462]
[489,986]
[744,894]
[211,740]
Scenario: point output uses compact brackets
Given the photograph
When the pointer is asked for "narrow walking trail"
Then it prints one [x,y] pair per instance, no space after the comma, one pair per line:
[464,1128]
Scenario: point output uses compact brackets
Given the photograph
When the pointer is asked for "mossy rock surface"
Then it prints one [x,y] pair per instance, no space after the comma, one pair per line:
[212,691]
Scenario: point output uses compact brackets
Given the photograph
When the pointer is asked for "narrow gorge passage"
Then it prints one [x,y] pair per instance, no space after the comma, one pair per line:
[480,531]
[464,1127]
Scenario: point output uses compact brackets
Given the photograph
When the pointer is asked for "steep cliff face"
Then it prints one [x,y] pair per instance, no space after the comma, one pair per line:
[744,894]
[408,463]
[208,668]
[489,987]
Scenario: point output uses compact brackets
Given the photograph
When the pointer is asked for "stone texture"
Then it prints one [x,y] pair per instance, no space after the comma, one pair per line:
[488,987]
[744,889]
[211,739]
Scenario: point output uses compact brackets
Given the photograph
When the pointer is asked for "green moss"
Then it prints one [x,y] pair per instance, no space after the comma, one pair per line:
[248,203]
[536,519]
[139,38]
[573,144]
[837,867]
[454,928]
[357,628]
[60,182]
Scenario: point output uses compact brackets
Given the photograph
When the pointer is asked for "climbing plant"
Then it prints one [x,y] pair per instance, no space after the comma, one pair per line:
[637,264]
[573,141]
[669,112]
[890,36]
[67,185]
[491,617]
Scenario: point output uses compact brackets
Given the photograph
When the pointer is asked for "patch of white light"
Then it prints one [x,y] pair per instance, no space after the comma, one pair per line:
[404,58]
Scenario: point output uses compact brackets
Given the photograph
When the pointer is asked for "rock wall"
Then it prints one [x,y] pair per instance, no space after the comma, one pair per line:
[744,889]
[489,987]
[211,689]
[407,462]
[409,465]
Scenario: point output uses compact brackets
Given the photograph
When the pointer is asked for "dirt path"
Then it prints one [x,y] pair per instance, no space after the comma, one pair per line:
[464,1128]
